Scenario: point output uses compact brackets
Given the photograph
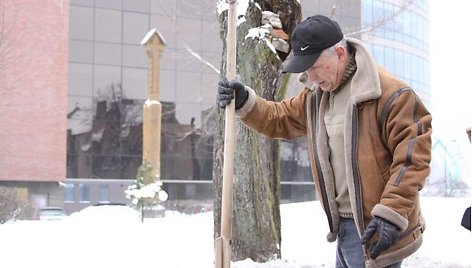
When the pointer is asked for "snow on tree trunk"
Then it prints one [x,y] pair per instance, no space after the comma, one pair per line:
[256,183]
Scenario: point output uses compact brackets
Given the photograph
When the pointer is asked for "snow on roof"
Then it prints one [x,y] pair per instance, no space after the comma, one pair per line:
[148,36]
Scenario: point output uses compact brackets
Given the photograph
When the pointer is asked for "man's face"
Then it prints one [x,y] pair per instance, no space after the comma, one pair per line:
[325,72]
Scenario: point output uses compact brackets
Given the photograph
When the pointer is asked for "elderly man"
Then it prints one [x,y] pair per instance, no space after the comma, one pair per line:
[369,138]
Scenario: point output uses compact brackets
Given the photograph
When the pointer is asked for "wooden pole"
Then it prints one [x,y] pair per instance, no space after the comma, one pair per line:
[152,111]
[223,243]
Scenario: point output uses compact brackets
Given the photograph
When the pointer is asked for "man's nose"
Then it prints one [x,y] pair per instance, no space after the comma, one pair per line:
[312,75]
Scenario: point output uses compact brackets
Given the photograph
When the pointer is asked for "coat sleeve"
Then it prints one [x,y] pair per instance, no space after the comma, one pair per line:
[407,134]
[280,120]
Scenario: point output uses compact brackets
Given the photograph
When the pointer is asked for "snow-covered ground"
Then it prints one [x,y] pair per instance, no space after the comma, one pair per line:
[114,237]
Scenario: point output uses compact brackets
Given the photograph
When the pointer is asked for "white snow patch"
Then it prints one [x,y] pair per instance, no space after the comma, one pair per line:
[261,33]
[113,236]
[241,9]
[257,33]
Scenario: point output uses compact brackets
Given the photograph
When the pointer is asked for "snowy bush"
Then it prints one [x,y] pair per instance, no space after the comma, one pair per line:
[139,192]
[147,190]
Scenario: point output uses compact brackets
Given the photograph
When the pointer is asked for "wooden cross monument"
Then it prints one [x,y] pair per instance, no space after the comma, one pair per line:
[154,45]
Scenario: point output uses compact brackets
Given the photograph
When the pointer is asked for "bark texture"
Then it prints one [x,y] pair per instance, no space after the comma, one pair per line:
[256,183]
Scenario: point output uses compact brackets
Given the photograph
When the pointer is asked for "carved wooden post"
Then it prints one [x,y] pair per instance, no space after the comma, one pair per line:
[152,111]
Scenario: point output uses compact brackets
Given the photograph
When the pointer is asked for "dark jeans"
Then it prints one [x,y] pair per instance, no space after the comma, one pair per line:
[349,253]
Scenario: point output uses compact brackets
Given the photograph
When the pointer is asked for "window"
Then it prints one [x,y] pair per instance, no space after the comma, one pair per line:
[136,5]
[84,190]
[408,65]
[80,51]
[108,25]
[82,2]
[69,193]
[134,56]
[366,14]
[80,79]
[104,193]
[135,83]
[390,59]
[398,63]
[108,54]
[378,52]
[136,25]
[81,23]
[106,79]
[111,4]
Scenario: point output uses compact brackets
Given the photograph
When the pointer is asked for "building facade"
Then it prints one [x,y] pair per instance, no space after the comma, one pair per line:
[100,71]
[106,57]
[34,40]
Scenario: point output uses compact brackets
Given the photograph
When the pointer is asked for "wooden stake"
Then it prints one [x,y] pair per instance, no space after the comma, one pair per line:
[223,243]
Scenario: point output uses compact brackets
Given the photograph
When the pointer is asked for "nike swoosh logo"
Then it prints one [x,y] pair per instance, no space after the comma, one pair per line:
[303,48]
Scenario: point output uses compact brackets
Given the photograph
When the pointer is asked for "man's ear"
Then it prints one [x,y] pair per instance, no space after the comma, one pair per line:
[341,52]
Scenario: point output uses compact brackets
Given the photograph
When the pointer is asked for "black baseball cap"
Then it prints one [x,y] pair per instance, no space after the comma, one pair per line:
[309,39]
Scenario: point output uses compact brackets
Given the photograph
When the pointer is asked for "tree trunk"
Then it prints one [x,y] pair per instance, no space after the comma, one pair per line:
[256,184]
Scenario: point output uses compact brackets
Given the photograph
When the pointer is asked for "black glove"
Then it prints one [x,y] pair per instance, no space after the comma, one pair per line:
[388,235]
[228,90]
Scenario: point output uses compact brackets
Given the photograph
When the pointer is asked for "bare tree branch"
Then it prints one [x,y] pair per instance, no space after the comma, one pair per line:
[382,22]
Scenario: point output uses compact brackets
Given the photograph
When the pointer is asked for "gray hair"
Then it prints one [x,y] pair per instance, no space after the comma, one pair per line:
[341,43]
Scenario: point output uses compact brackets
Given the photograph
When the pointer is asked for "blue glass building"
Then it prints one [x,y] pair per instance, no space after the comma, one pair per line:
[397,33]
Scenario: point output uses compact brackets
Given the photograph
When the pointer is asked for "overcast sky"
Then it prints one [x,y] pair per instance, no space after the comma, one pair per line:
[451,61]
